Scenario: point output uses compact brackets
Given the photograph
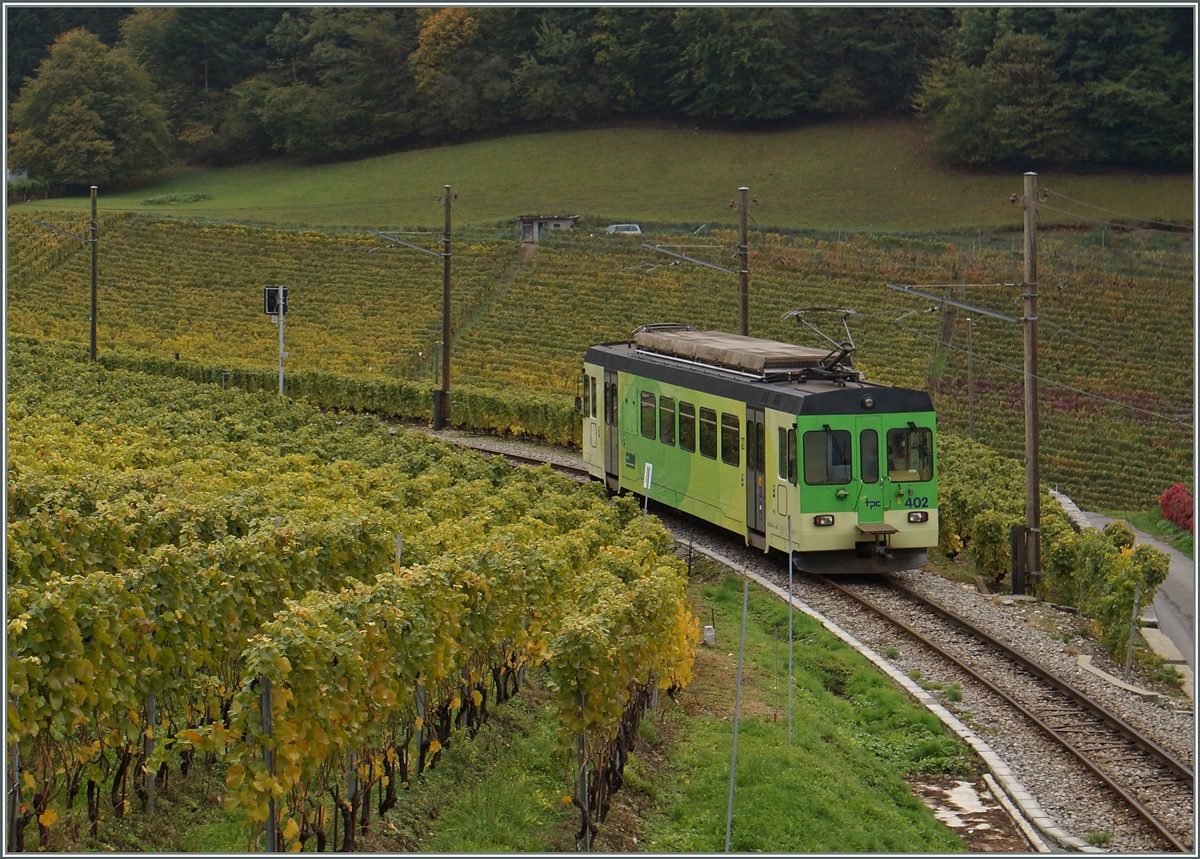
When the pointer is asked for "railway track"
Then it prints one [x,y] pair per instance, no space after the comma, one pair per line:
[1153,785]
[1152,782]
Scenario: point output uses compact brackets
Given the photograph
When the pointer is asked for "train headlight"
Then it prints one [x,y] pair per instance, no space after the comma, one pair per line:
[822,521]
[918,516]
[868,403]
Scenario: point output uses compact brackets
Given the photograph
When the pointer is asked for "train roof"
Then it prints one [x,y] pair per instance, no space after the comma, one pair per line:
[764,373]
[731,351]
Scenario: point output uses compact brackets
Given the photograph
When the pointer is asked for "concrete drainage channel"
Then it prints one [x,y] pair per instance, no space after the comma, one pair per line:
[1022,808]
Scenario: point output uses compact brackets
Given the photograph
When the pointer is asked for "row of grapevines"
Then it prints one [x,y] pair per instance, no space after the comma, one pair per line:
[90,640]
[383,671]
[367,321]
[170,286]
[980,498]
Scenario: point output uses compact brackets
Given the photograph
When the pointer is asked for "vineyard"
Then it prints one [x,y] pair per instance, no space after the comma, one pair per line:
[204,576]
[183,298]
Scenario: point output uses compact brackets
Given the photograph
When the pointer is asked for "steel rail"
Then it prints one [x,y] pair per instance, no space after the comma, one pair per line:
[1111,719]
[1131,801]
[523,459]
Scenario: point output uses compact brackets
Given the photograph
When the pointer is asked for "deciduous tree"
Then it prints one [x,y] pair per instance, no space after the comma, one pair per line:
[91,116]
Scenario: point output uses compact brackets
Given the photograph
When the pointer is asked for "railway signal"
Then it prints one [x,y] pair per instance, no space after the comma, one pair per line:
[275,305]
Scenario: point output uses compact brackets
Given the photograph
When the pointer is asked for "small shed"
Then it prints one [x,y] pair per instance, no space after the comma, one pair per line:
[529,227]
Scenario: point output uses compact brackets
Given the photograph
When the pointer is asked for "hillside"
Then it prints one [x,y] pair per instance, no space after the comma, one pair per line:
[878,174]
[1115,360]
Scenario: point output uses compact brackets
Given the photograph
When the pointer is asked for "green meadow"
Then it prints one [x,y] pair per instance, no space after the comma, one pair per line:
[880,174]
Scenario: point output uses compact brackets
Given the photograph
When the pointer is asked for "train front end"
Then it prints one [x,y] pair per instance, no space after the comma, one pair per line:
[866,481]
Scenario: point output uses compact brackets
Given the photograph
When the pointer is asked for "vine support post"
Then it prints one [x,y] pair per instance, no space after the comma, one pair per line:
[14,793]
[582,788]
[737,707]
[269,759]
[421,729]
[151,720]
[1033,511]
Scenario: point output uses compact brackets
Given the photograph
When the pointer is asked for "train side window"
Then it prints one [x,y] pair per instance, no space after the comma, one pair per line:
[783,453]
[666,420]
[587,398]
[910,454]
[649,414]
[731,441]
[791,448]
[868,455]
[593,396]
[708,433]
[687,427]
[826,457]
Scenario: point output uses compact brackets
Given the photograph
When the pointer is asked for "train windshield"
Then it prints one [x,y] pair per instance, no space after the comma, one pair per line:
[827,457]
[910,454]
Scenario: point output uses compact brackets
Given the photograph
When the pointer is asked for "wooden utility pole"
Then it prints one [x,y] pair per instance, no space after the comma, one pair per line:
[441,415]
[743,264]
[970,378]
[94,240]
[1033,510]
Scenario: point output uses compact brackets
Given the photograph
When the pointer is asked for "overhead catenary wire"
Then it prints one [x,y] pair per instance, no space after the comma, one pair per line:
[1052,383]
[1106,348]
[1112,224]
[1120,214]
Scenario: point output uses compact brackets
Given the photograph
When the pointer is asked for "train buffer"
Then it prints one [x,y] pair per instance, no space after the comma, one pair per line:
[881,533]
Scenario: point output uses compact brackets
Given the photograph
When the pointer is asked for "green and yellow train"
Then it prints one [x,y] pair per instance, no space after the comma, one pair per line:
[785,445]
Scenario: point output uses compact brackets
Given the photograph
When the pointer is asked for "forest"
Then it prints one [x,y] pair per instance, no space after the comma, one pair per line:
[103,94]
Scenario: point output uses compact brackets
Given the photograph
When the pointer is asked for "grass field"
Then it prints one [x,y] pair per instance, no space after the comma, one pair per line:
[879,174]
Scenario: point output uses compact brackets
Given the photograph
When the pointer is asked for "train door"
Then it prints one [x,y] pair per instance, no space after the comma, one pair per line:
[871,477]
[756,476]
[612,443]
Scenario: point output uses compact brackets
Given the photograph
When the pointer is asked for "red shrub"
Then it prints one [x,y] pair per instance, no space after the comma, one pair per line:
[1177,505]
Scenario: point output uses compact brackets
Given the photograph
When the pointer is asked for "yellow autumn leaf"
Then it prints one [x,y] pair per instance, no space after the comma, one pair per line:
[28,779]
[476,697]
[419,724]
[434,747]
[48,817]
[291,829]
